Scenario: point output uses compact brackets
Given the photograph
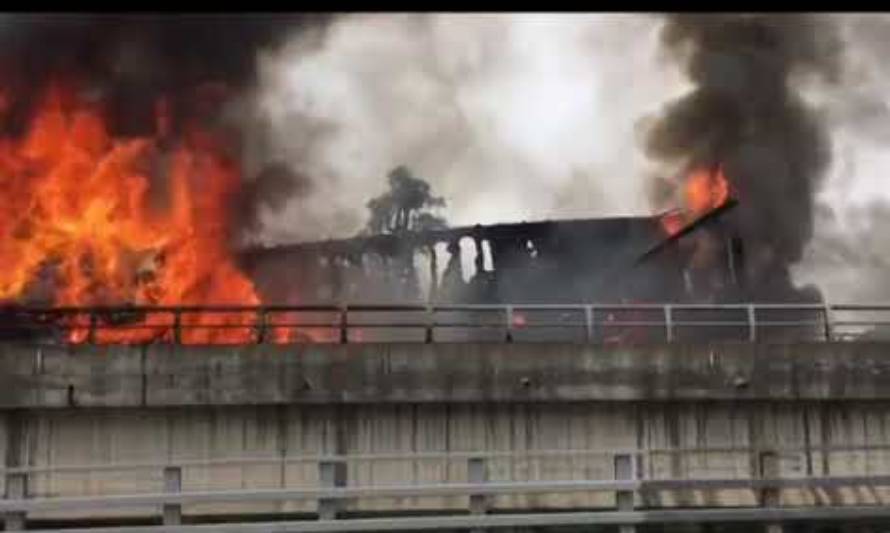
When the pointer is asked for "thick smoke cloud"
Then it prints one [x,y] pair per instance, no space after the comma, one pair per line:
[746,114]
[509,117]
[514,117]
[143,55]
[850,251]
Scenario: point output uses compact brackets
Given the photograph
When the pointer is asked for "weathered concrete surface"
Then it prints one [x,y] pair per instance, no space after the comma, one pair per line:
[163,404]
[669,435]
[33,376]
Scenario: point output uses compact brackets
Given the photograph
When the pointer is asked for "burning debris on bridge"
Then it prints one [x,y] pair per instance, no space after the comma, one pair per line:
[123,191]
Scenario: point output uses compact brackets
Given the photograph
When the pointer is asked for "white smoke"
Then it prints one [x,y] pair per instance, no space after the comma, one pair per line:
[517,117]
[510,117]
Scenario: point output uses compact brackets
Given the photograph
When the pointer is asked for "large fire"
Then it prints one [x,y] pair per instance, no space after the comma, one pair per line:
[81,219]
[704,189]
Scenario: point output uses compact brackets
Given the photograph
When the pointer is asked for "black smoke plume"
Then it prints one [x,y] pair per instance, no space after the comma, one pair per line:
[129,60]
[746,114]
[190,69]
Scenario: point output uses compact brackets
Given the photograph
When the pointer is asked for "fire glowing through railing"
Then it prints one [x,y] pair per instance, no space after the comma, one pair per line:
[601,324]
[87,219]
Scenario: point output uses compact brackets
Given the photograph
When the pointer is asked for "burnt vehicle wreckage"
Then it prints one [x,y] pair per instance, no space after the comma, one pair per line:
[621,264]
[608,260]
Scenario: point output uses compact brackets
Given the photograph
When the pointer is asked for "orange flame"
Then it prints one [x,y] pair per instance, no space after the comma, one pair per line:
[77,203]
[704,189]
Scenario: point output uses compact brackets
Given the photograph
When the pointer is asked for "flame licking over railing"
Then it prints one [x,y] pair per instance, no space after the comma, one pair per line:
[80,219]
[704,189]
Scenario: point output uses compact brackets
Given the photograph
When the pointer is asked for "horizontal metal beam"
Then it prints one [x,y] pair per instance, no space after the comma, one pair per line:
[439,456]
[276,323]
[680,516]
[429,490]
[380,491]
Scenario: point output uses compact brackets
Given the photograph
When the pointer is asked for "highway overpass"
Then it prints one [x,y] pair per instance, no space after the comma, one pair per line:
[440,418]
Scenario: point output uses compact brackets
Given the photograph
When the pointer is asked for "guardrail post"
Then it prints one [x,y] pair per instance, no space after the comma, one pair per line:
[770,496]
[260,326]
[752,324]
[172,485]
[16,489]
[331,474]
[344,325]
[624,499]
[177,326]
[91,333]
[588,322]
[477,473]
[508,311]
[829,334]
[428,334]
[668,323]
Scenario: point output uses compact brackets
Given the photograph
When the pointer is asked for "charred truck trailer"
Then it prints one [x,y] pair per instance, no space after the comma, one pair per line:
[606,260]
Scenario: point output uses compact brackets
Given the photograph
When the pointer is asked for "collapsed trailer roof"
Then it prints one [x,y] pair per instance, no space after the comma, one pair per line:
[602,259]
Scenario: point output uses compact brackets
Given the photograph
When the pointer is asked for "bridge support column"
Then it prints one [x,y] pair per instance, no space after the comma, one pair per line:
[173,485]
[624,499]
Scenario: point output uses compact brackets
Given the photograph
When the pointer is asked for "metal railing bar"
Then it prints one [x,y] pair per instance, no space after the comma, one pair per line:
[85,311]
[259,324]
[439,456]
[426,490]
[451,522]
[253,495]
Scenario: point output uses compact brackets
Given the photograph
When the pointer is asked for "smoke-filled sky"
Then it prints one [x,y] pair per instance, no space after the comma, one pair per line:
[510,117]
[527,116]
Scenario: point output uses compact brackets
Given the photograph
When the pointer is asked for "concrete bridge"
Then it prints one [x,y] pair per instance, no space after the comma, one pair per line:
[420,435]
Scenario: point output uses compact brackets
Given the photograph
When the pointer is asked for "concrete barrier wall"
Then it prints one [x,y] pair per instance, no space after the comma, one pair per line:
[32,376]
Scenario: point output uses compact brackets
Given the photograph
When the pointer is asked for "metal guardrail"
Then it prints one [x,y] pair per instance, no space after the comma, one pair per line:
[592,323]
[567,453]
[626,519]
[629,484]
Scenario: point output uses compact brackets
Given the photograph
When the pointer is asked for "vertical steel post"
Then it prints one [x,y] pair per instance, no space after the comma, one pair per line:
[428,332]
[770,497]
[91,333]
[344,325]
[588,322]
[331,474]
[508,312]
[477,473]
[261,325]
[752,324]
[177,326]
[829,323]
[668,323]
[172,485]
[624,499]
[16,489]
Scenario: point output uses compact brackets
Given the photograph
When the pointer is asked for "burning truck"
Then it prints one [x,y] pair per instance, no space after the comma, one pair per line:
[96,212]
[95,221]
